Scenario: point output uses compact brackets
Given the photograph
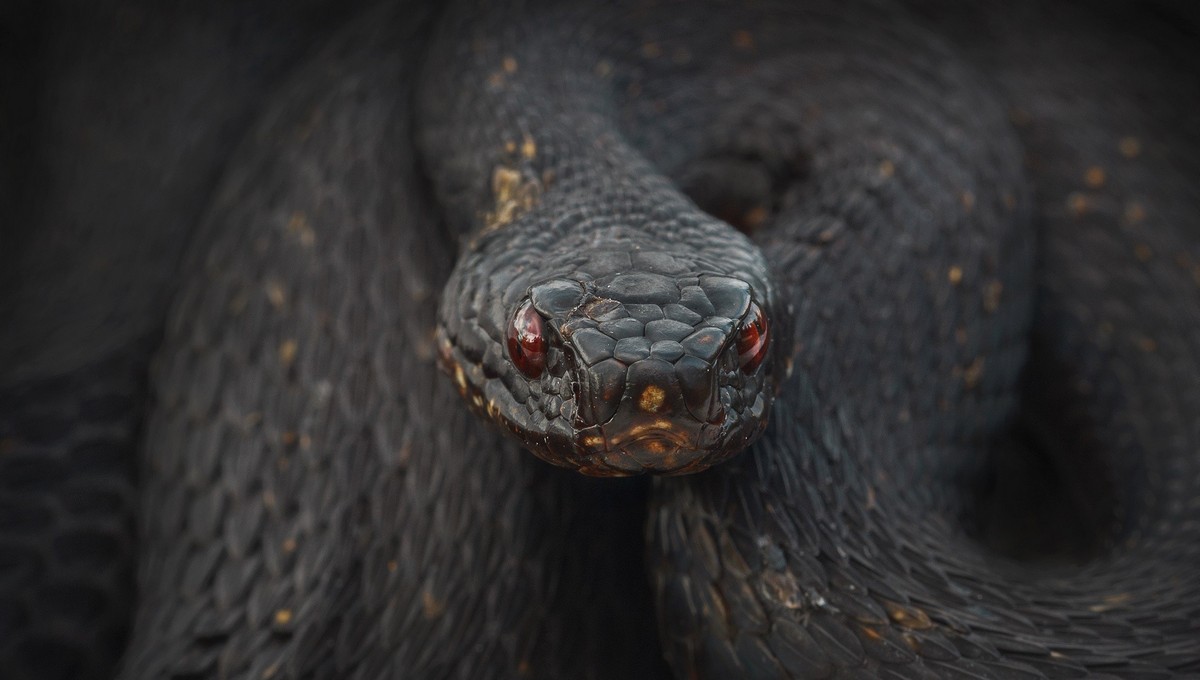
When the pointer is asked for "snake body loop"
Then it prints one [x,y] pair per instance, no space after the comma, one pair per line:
[892,197]
[912,288]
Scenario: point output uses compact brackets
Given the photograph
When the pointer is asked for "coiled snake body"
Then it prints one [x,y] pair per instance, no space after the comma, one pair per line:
[962,334]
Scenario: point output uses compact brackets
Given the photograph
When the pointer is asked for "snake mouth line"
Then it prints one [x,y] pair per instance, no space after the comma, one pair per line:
[661,447]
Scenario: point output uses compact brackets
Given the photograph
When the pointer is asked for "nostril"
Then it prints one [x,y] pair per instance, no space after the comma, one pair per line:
[697,384]
[598,392]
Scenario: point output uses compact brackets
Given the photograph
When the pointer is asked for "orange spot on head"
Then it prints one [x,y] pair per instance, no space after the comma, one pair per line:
[651,399]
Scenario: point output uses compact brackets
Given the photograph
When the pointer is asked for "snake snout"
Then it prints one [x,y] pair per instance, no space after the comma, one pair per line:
[656,416]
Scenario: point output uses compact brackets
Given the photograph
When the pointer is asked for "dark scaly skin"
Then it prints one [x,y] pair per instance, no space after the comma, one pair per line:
[644,295]
[313,501]
[334,515]
[780,564]
[1104,105]
[860,537]
[115,124]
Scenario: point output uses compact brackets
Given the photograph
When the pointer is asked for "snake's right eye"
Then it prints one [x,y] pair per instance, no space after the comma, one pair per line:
[527,341]
[752,340]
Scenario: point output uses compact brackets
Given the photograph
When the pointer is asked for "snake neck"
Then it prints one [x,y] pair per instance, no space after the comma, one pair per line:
[663,328]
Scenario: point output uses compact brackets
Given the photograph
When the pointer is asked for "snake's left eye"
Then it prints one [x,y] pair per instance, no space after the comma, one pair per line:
[527,341]
[752,339]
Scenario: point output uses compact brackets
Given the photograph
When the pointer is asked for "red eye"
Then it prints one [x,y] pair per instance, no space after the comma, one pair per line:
[752,341]
[526,342]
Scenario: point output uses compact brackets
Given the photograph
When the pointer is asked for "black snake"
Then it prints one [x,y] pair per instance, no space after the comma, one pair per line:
[964,330]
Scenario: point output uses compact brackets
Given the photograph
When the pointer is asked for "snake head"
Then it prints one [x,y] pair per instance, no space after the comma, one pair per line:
[644,365]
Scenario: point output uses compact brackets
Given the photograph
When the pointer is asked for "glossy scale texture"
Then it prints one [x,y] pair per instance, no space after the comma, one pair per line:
[976,226]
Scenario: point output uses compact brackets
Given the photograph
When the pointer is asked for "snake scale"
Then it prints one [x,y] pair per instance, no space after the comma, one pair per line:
[958,332]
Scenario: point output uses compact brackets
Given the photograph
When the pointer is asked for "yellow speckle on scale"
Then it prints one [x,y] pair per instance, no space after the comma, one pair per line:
[1077,203]
[287,352]
[1111,602]
[908,616]
[991,296]
[276,295]
[513,194]
[972,373]
[887,168]
[1134,213]
[1094,177]
[755,217]
[968,200]
[1130,147]
[431,607]
[510,65]
[237,303]
[955,275]
[393,565]
[743,39]
[298,225]
[289,545]
[528,148]
[283,617]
